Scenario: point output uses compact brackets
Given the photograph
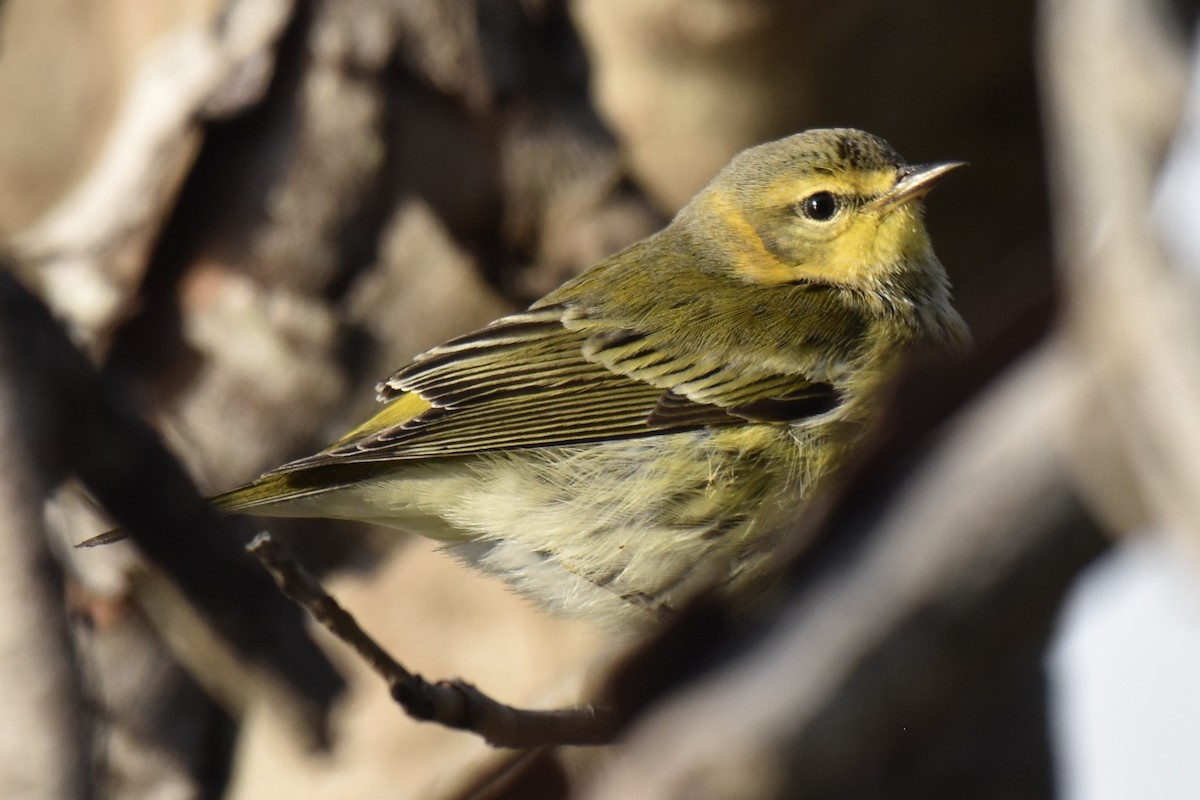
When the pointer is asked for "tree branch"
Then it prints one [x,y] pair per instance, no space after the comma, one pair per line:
[453,703]
[76,425]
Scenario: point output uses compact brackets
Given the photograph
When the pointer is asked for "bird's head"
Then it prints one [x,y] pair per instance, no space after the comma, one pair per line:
[830,206]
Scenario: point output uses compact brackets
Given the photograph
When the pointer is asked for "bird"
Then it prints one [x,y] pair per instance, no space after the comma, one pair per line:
[647,430]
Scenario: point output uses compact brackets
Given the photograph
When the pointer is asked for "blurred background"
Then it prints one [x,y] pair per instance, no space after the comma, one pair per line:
[247,212]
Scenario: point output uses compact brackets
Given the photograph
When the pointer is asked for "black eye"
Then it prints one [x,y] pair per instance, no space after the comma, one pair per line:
[819,207]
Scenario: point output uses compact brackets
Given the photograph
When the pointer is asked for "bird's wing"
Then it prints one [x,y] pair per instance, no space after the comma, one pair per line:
[717,378]
[530,380]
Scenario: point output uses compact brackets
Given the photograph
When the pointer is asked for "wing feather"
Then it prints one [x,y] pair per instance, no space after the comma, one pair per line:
[545,378]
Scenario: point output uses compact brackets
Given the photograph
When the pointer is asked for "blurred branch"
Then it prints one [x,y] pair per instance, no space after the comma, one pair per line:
[89,255]
[43,742]
[1115,75]
[74,424]
[452,703]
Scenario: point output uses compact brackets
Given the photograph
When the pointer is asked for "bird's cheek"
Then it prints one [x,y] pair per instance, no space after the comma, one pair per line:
[843,260]
[901,237]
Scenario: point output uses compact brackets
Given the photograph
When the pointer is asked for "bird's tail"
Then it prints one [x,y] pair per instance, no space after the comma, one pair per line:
[268,496]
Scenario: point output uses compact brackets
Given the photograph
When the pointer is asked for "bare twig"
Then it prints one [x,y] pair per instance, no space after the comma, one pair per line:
[453,703]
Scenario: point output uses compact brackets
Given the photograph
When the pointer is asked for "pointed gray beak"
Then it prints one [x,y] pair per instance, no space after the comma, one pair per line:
[914,183]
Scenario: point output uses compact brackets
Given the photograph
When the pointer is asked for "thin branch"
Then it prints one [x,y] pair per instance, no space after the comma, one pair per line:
[452,703]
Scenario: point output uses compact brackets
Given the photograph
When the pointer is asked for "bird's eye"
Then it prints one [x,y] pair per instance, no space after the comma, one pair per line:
[819,207]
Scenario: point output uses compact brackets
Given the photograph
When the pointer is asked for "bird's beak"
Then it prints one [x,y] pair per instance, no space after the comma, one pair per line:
[914,183]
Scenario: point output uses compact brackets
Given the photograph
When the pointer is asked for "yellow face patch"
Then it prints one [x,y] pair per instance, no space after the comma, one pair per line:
[771,242]
[872,241]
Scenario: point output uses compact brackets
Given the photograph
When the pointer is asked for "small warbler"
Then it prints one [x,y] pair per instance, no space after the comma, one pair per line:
[643,431]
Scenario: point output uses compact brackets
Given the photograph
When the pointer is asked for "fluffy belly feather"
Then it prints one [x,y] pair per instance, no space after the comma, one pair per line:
[624,530]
